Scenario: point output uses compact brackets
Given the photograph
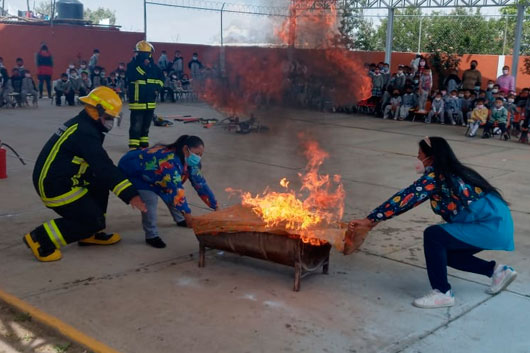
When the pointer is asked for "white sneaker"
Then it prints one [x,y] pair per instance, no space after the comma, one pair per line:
[435,299]
[501,279]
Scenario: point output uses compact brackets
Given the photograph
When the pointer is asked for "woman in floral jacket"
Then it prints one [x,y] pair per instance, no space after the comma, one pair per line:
[161,171]
[477,218]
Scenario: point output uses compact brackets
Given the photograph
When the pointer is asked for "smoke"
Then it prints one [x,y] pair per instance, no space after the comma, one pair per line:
[310,69]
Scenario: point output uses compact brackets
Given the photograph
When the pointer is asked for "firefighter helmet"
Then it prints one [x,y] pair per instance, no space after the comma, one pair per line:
[106,98]
[144,46]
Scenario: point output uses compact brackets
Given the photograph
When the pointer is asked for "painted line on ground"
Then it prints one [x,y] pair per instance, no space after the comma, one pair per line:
[56,324]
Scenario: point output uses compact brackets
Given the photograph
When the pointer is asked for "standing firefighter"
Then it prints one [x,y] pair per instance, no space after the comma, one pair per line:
[73,175]
[145,81]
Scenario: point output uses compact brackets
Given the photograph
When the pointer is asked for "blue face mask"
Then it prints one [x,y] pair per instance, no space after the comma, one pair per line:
[193,159]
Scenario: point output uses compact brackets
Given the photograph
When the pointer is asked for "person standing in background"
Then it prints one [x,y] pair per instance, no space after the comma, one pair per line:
[472,77]
[163,62]
[178,64]
[145,81]
[93,62]
[506,81]
[195,67]
[44,62]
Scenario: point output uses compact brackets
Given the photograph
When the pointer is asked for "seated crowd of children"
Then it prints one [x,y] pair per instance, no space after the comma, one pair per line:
[408,94]
[15,89]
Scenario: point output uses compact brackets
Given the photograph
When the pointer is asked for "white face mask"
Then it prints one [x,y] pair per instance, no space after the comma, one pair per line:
[420,168]
[505,72]
[510,100]
[495,90]
[108,124]
[480,106]
[490,86]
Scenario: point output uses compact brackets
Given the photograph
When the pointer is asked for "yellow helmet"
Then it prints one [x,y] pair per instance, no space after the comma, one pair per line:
[104,97]
[144,47]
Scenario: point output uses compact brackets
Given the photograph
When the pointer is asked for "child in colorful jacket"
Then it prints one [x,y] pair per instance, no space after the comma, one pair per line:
[479,116]
[161,171]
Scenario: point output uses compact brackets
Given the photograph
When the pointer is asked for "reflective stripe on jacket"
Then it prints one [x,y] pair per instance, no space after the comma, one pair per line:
[72,160]
[143,85]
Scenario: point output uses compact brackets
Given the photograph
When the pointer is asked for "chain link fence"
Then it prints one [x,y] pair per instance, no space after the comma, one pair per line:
[459,32]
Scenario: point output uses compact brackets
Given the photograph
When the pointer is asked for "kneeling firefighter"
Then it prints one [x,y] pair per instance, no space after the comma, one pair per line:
[73,175]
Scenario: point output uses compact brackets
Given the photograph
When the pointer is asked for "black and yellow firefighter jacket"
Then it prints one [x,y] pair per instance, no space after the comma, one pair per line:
[144,83]
[72,159]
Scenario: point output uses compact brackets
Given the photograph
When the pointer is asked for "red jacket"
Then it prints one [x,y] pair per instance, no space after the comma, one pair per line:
[44,63]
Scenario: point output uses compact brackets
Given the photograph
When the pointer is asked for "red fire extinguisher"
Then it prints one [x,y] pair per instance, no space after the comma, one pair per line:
[3,159]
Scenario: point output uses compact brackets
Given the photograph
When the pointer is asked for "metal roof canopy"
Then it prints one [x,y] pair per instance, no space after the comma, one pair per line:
[425,4]
[389,5]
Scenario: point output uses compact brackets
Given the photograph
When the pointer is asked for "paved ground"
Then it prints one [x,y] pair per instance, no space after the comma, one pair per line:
[139,299]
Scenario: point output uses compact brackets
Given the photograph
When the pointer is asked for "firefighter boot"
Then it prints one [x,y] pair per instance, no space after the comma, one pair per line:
[42,253]
[101,238]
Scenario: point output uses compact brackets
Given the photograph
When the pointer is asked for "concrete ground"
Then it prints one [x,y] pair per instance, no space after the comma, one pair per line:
[140,299]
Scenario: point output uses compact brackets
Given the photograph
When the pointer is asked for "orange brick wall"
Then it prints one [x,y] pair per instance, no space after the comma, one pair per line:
[71,43]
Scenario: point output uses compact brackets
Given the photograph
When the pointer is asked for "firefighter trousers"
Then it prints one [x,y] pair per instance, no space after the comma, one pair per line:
[79,220]
[139,129]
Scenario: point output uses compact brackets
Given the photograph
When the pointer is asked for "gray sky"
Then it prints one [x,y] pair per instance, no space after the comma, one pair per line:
[172,24]
[166,24]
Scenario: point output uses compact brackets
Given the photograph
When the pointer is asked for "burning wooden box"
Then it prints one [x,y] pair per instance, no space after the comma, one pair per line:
[239,230]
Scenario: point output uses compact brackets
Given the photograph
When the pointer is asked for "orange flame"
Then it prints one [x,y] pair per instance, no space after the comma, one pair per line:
[318,204]
[258,77]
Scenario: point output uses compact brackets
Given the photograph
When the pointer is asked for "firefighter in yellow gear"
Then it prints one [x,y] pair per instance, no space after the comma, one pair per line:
[145,81]
[73,176]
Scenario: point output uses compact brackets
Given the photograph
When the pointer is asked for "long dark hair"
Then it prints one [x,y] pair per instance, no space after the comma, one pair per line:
[446,164]
[184,140]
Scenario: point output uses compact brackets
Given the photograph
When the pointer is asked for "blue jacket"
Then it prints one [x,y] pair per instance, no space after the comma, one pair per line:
[159,169]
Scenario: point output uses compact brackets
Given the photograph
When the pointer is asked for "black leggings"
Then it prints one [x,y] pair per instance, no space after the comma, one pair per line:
[442,250]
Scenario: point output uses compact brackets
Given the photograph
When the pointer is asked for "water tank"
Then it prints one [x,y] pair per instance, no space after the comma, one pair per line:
[69,9]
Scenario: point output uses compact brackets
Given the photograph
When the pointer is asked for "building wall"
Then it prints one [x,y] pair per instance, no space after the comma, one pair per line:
[72,43]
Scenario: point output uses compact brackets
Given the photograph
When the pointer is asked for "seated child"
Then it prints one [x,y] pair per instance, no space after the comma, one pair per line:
[77,83]
[408,101]
[437,109]
[453,108]
[14,85]
[393,106]
[63,87]
[85,82]
[479,116]
[499,116]
[29,88]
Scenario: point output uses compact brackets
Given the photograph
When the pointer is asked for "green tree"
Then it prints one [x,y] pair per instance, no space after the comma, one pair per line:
[406,30]
[508,23]
[356,32]
[463,31]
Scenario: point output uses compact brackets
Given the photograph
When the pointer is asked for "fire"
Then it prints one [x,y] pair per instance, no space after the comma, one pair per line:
[317,205]
[311,60]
